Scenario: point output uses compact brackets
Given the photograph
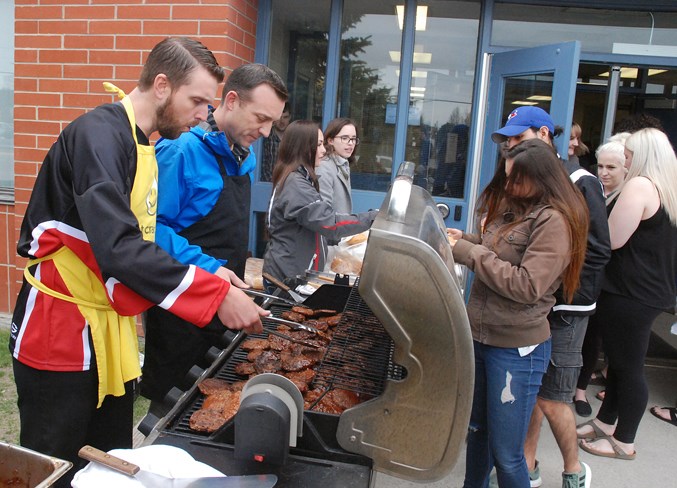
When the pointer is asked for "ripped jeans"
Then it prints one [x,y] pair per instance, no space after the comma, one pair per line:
[506,385]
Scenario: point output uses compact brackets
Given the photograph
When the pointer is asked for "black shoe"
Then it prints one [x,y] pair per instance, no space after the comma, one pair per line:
[583,408]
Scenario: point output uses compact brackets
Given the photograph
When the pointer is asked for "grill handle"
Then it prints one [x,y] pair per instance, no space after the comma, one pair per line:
[400,193]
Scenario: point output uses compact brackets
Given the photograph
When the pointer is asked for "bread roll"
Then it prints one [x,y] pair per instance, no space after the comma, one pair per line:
[357,239]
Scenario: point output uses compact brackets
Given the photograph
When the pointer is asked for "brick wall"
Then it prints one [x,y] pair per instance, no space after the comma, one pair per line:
[65,49]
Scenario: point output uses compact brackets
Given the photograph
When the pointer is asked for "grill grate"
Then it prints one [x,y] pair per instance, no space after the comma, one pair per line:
[359,358]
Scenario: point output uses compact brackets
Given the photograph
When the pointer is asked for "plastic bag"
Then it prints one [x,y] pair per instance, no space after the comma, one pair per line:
[347,256]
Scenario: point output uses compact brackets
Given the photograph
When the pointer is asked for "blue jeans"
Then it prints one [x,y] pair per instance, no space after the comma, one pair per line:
[506,385]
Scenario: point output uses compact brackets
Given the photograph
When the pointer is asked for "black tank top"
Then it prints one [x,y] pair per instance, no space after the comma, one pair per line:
[644,269]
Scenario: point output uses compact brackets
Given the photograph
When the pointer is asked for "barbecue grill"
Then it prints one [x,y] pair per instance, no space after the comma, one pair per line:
[403,345]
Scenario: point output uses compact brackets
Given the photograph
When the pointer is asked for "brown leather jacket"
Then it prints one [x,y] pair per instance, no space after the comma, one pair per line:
[516,276]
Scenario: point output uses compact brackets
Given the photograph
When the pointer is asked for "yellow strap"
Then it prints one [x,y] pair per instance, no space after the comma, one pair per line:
[111,88]
[53,293]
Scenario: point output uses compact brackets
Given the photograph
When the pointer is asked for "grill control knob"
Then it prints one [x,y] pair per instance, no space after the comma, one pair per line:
[444,210]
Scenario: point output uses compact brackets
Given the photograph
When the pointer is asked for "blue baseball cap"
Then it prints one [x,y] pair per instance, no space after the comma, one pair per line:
[521,119]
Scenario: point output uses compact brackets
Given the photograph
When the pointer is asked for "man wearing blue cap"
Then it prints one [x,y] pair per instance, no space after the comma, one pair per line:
[568,321]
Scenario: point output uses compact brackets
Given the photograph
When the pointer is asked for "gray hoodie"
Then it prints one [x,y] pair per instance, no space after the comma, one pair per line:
[299,222]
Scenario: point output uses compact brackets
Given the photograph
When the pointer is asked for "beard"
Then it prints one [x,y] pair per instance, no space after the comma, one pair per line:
[167,124]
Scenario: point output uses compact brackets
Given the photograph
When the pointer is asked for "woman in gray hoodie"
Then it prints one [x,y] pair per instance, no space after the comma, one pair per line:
[299,221]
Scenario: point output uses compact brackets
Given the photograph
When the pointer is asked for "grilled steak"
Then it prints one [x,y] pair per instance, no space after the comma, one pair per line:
[293,316]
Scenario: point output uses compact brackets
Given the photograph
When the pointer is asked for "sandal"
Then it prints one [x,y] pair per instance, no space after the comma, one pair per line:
[671,410]
[617,454]
[600,395]
[596,433]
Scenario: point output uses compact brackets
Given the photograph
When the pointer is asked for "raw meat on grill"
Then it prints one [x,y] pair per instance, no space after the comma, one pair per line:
[267,362]
[251,344]
[245,369]
[205,420]
[308,312]
[294,361]
[209,386]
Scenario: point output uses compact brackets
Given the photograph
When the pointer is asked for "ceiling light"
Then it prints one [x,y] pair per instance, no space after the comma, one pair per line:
[631,73]
[540,98]
[418,88]
[419,58]
[523,102]
[421,16]
[414,74]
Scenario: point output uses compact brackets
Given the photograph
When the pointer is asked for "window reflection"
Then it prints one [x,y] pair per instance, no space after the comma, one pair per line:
[367,91]
[440,99]
[298,53]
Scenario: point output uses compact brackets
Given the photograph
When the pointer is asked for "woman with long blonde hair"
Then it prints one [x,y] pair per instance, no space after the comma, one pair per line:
[639,284]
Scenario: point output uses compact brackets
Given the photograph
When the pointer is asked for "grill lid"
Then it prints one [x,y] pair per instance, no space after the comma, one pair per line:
[416,427]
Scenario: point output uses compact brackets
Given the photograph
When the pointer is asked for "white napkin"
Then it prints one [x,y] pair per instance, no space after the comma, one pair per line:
[165,460]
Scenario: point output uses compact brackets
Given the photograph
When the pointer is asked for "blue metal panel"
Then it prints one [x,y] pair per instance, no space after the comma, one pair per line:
[333,63]
[406,67]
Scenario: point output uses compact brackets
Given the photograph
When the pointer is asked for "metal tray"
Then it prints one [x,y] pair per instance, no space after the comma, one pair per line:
[29,469]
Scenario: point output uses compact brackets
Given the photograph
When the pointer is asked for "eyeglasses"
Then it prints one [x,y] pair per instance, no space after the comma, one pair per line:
[347,139]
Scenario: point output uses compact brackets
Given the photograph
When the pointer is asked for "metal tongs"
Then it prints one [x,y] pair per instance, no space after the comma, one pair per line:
[255,293]
[293,325]
[291,339]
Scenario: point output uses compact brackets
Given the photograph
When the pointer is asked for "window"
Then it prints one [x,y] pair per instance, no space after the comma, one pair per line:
[7,95]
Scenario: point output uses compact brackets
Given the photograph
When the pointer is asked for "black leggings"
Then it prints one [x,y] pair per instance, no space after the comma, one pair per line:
[626,327]
[592,346]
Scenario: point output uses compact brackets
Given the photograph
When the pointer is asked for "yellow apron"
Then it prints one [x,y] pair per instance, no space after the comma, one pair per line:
[114,336]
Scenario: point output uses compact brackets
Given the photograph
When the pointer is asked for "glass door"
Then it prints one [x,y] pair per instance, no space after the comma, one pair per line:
[543,76]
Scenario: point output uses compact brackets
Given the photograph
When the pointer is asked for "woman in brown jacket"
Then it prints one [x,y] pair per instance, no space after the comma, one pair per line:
[533,234]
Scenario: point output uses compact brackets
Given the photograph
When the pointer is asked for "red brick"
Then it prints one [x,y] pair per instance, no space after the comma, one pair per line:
[25,154]
[35,70]
[144,12]
[139,43]
[25,84]
[117,27]
[211,28]
[90,12]
[62,86]
[87,71]
[60,2]
[234,33]
[32,41]
[130,73]
[60,27]
[26,168]
[36,99]
[85,100]
[200,12]
[62,56]
[185,27]
[25,140]
[25,56]
[113,57]
[24,182]
[37,127]
[58,114]
[25,26]
[88,42]
[25,112]
[36,12]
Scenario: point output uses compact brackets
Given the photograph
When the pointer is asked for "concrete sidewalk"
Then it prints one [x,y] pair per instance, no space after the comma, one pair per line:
[656,444]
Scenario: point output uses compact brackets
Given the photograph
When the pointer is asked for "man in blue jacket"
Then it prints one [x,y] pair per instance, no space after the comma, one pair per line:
[568,321]
[204,191]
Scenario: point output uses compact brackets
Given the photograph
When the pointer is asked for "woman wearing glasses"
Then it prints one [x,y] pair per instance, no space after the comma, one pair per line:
[334,171]
[299,221]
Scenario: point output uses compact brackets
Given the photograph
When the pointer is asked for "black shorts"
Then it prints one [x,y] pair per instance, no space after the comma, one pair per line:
[559,381]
